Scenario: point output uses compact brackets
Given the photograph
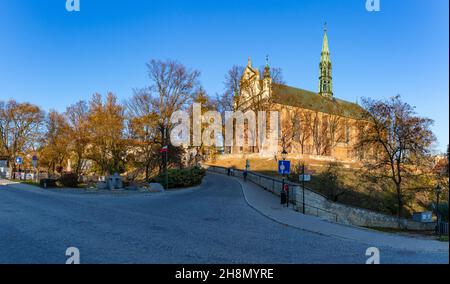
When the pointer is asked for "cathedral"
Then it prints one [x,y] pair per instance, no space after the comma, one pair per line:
[316,124]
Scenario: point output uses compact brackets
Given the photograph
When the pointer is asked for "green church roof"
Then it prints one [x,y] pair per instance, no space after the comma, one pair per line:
[286,95]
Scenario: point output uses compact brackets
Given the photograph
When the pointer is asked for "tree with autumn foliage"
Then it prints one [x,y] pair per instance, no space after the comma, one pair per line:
[78,134]
[20,129]
[143,133]
[399,142]
[54,147]
[106,125]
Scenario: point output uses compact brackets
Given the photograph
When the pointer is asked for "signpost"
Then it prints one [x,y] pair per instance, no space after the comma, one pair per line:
[304,177]
[19,161]
[284,167]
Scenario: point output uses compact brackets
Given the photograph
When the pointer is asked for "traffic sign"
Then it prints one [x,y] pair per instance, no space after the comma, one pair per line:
[304,177]
[284,167]
[19,160]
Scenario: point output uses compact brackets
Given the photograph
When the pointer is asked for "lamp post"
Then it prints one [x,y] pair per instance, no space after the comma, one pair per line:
[284,154]
[303,187]
[438,192]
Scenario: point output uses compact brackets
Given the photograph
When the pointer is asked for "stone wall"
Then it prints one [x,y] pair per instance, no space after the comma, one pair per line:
[318,205]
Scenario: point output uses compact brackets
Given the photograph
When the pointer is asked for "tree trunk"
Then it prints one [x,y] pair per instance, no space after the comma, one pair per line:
[146,172]
[399,200]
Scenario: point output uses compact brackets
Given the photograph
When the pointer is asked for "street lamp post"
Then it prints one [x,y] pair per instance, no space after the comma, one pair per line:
[303,187]
[438,221]
[284,154]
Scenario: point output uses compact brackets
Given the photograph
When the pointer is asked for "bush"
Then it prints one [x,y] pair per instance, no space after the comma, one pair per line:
[47,182]
[443,210]
[69,180]
[331,182]
[179,178]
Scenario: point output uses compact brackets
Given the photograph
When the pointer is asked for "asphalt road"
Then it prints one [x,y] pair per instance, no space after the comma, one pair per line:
[209,224]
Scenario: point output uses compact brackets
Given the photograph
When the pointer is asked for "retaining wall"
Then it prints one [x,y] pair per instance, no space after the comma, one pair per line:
[317,204]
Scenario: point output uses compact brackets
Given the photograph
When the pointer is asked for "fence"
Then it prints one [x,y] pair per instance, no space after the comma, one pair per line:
[443,228]
[275,186]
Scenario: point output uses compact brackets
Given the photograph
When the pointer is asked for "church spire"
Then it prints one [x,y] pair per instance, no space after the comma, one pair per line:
[325,79]
[267,68]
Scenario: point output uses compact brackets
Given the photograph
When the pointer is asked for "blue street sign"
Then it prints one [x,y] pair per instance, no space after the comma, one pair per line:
[19,160]
[284,167]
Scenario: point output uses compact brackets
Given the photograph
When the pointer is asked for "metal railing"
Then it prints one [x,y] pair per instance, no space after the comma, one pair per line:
[274,186]
[443,228]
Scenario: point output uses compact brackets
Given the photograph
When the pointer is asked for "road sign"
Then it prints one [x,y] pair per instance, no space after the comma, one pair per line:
[304,177]
[19,160]
[284,167]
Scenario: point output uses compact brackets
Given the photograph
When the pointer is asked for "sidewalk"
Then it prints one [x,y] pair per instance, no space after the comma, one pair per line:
[269,205]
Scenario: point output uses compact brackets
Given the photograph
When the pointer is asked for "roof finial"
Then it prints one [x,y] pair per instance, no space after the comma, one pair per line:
[249,61]
[267,68]
[325,27]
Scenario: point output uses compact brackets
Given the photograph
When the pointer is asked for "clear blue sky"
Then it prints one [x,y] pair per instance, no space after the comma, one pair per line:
[53,58]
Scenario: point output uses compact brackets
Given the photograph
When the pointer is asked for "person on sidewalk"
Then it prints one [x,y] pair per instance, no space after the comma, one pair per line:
[245,173]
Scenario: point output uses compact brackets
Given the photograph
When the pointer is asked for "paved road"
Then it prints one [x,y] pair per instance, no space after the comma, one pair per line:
[210,224]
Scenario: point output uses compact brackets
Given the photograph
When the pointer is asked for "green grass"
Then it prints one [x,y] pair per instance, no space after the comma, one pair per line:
[443,239]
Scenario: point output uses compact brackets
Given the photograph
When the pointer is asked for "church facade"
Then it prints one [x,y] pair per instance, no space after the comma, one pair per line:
[311,123]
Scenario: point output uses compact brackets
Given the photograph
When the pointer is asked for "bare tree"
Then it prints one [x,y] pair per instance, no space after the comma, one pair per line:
[399,139]
[336,128]
[304,129]
[172,88]
[232,85]
[320,133]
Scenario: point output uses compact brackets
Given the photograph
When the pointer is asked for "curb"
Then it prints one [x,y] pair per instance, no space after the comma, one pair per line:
[329,235]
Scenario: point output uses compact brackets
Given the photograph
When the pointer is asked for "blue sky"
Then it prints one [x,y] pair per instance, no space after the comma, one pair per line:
[54,58]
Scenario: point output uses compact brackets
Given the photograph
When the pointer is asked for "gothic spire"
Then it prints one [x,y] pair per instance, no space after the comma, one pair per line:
[325,78]
[267,68]
[325,48]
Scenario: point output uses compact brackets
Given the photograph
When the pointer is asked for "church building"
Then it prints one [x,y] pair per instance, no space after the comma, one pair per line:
[311,123]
